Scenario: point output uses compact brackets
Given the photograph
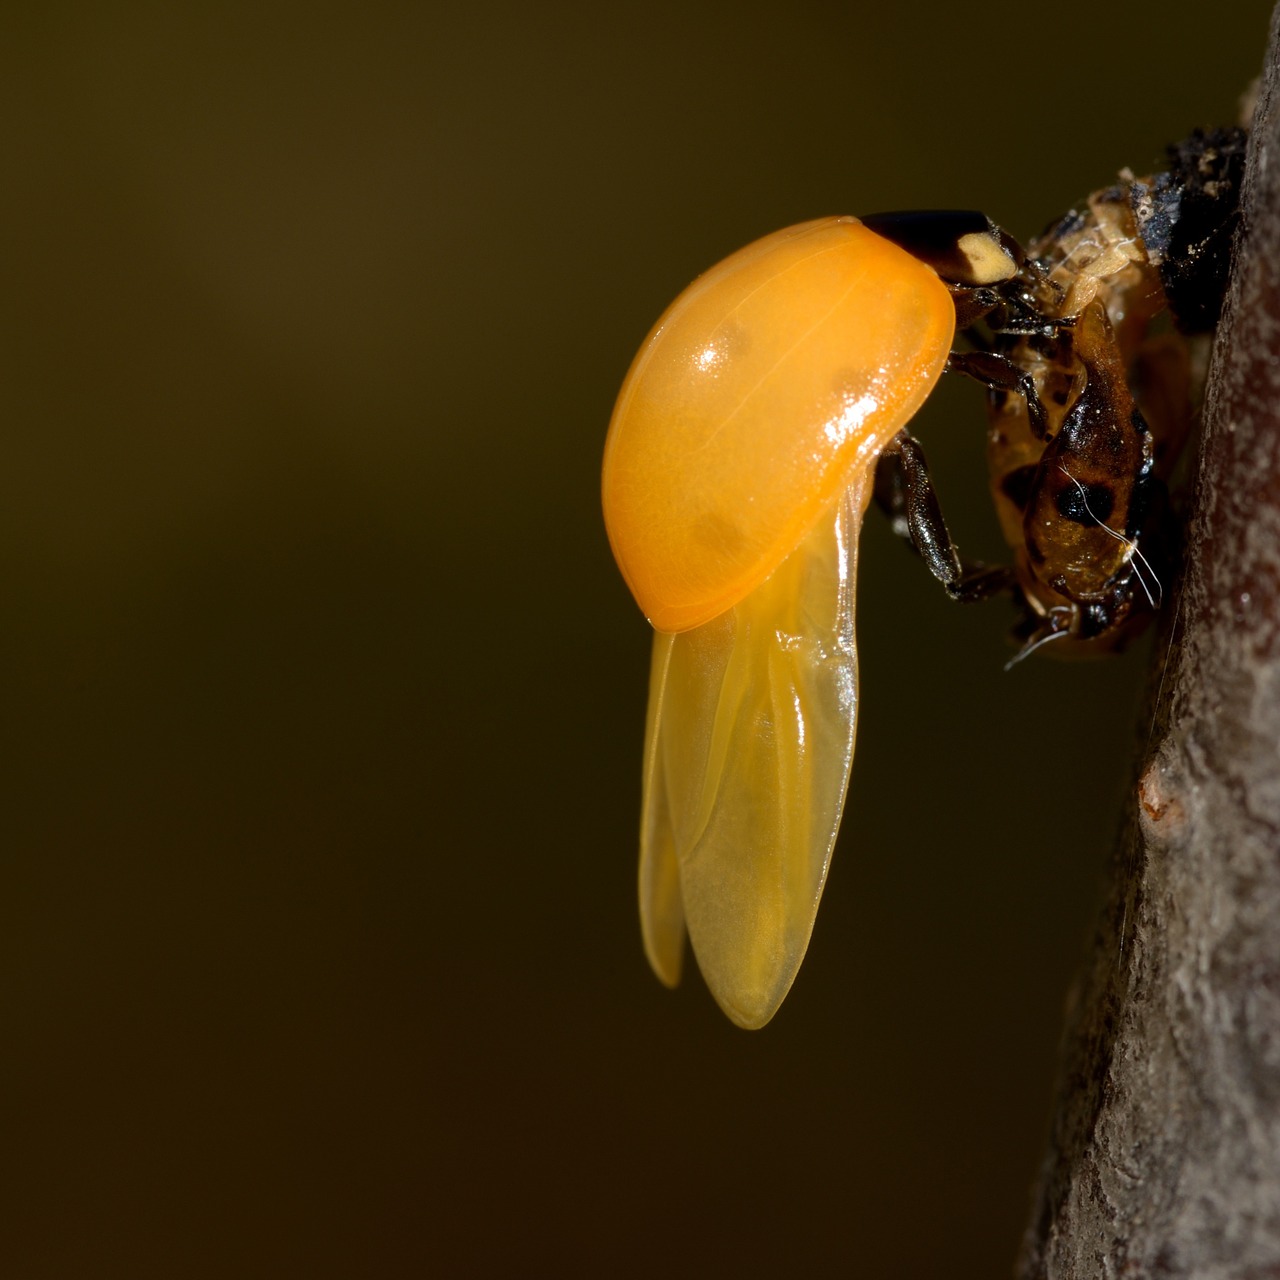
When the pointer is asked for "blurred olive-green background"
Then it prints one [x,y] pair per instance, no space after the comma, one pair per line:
[323,700]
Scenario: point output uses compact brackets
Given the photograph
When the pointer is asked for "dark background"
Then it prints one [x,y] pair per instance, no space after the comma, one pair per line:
[323,701]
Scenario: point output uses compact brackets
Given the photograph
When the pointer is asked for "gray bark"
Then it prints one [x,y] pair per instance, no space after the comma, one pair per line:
[1164,1155]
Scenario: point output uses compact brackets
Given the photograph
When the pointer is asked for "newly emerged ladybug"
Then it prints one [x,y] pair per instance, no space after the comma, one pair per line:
[760,416]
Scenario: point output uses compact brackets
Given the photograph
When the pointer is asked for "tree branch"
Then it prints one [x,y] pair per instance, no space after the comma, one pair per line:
[1164,1155]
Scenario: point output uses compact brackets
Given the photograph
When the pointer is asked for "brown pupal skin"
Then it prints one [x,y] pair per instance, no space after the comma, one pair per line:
[1080,499]
[1090,392]
[1086,491]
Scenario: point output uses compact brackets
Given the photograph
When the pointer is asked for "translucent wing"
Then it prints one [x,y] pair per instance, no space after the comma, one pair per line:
[747,753]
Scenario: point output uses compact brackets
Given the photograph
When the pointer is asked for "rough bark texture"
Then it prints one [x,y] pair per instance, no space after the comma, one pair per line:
[1164,1157]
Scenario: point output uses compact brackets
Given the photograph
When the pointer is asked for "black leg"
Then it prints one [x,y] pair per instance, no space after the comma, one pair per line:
[905,493]
[972,304]
[1004,312]
[999,373]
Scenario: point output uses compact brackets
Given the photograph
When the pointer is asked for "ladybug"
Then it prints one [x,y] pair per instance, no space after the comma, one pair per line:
[764,411]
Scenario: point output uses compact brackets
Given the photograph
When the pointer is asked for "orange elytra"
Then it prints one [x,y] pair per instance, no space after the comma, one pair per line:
[772,380]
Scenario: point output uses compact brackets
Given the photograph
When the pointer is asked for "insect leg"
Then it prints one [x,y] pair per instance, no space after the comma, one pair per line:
[1004,311]
[999,373]
[904,491]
